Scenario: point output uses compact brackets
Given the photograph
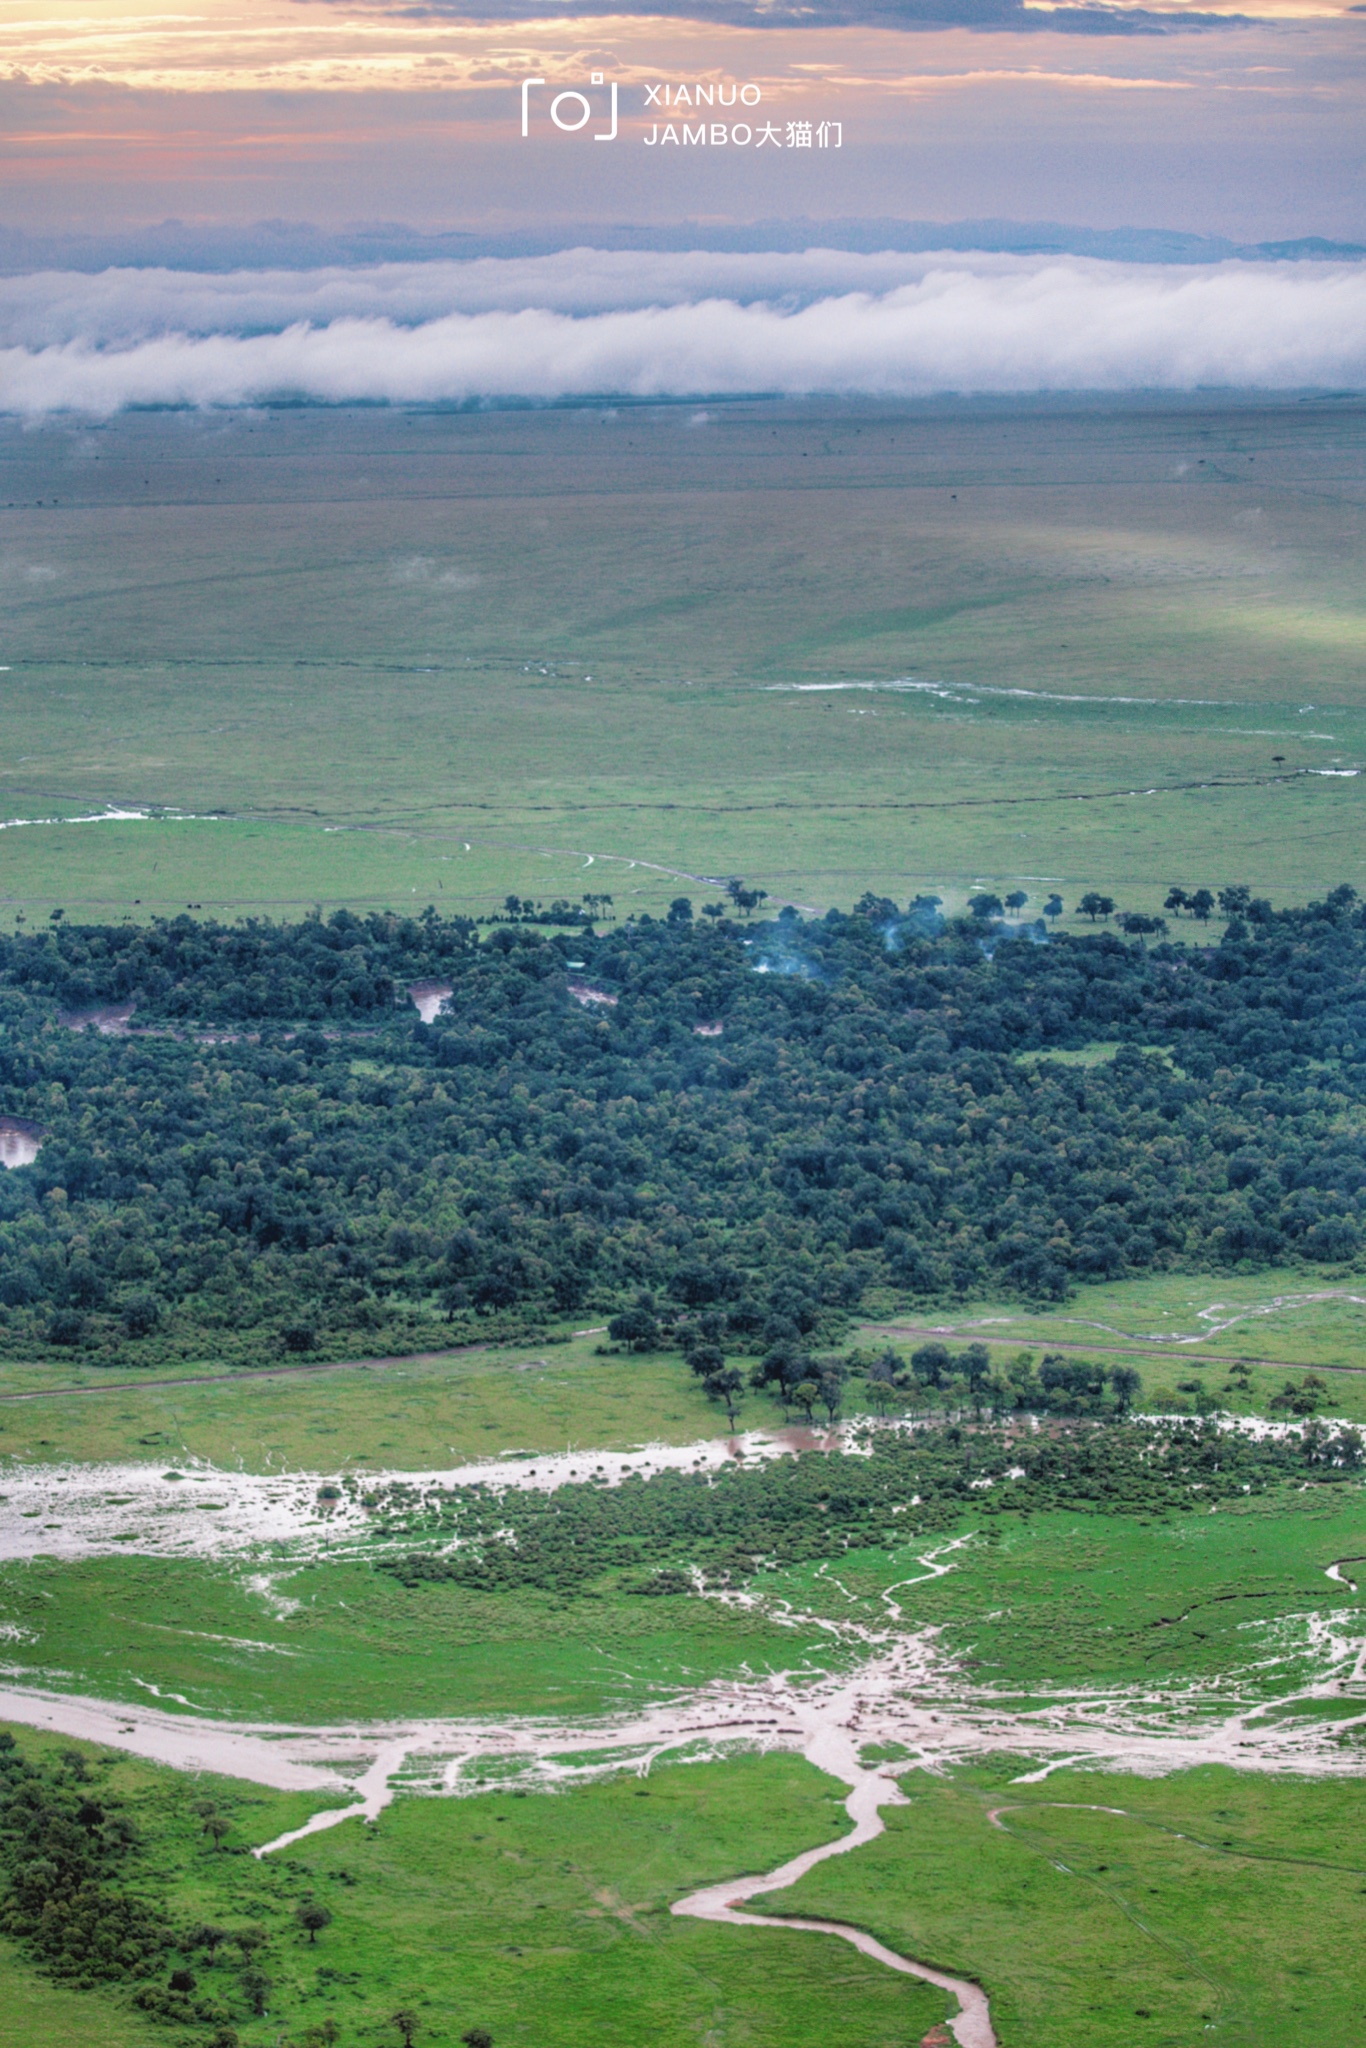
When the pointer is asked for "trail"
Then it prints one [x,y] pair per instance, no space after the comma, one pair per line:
[1172,1348]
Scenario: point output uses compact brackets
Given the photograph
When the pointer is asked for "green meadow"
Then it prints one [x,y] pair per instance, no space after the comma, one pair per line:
[376,657]
[1122,1911]
[1235,1599]
[430,1412]
[1129,1912]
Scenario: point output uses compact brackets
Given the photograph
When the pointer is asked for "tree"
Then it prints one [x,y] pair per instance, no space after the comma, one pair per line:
[1201,904]
[1017,899]
[886,1377]
[680,911]
[477,2037]
[256,1989]
[325,2035]
[216,1826]
[1094,905]
[728,1387]
[832,1388]
[1233,900]
[706,1360]
[806,1393]
[208,1935]
[636,1327]
[1053,907]
[1176,901]
[1127,1384]
[405,2019]
[974,1362]
[985,905]
[313,1915]
[931,1364]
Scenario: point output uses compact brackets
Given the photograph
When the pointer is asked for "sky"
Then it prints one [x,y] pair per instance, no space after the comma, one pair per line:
[1247,125]
[225,202]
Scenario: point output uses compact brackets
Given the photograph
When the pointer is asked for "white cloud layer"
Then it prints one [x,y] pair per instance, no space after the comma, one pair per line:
[588,324]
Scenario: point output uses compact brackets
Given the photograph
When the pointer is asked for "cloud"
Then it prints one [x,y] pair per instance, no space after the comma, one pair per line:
[659,328]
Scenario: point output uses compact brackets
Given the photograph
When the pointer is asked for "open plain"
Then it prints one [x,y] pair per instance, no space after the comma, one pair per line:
[288,657]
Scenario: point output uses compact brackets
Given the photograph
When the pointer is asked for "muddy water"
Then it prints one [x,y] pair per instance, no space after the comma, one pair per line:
[194,1509]
[831,1748]
[20,1141]
[429,998]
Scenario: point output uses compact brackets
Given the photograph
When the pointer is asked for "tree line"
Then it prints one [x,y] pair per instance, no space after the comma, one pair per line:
[767,1122]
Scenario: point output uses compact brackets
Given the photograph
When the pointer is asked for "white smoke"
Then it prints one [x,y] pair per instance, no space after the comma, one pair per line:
[590,324]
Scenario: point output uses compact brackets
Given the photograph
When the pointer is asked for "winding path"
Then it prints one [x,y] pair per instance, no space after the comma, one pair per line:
[834,1751]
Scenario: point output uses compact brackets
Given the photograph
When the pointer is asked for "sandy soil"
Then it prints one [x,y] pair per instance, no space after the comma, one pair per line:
[199,1510]
[111,1020]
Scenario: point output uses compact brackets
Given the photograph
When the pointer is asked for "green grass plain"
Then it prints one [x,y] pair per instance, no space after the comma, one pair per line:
[386,656]
[545,1919]
[1233,1600]
[430,1412]
[1211,1907]
[1124,1912]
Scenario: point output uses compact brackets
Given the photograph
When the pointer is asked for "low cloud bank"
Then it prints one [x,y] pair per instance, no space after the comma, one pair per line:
[530,330]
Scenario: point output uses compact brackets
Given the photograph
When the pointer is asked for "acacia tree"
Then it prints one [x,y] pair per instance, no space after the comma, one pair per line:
[405,2019]
[1126,1383]
[313,1915]
[726,1386]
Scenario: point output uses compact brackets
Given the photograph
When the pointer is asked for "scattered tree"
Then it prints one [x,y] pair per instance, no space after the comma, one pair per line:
[1127,1384]
[313,1916]
[727,1387]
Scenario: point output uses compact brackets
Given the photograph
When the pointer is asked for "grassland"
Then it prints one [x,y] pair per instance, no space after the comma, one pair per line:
[385,656]
[428,1413]
[1234,1600]
[542,1919]
[1122,1912]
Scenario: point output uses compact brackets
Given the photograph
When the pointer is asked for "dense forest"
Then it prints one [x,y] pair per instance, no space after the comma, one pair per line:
[748,1128]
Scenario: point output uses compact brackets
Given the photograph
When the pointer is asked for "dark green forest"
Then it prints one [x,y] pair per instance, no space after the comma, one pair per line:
[756,1127]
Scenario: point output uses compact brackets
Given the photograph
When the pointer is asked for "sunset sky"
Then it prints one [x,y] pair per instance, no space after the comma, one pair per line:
[1250,125]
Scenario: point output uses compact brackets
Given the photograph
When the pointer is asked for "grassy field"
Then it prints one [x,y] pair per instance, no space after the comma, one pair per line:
[387,656]
[212,1638]
[426,1413]
[1120,1911]
[1207,1906]
[1232,1599]
[542,1919]
[403,1414]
